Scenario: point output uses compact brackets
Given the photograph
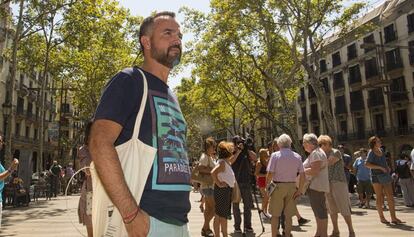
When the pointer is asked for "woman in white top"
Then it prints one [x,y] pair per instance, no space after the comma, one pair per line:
[316,170]
[224,180]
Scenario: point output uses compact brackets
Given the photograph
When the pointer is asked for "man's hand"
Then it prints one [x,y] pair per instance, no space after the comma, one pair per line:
[140,226]
[297,194]
[14,164]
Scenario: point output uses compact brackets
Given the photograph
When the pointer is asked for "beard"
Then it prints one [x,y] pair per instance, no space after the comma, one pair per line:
[167,59]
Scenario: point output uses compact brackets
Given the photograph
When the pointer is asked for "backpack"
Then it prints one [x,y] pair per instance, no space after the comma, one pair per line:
[403,170]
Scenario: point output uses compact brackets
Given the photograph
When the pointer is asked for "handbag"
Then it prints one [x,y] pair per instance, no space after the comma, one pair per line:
[107,220]
[384,178]
[235,194]
[198,177]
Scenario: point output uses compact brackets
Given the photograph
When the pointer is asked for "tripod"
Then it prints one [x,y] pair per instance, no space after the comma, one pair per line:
[259,211]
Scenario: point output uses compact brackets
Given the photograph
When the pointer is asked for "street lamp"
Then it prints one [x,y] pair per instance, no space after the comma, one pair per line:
[7,108]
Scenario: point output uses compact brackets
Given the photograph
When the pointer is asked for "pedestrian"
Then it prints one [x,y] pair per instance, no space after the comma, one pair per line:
[284,166]
[224,181]
[206,164]
[85,200]
[56,172]
[363,175]
[69,172]
[381,179]
[316,171]
[242,170]
[337,198]
[4,174]
[406,180]
[164,205]
[347,159]
[260,173]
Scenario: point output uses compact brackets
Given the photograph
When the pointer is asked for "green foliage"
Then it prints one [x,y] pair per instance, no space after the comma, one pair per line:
[101,41]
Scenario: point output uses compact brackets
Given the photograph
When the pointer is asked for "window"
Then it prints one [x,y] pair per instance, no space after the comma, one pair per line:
[29,109]
[340,105]
[376,97]
[314,112]
[343,126]
[325,85]
[322,66]
[352,52]
[27,132]
[311,92]
[338,82]
[410,21]
[411,52]
[402,118]
[20,105]
[371,68]
[389,33]
[398,89]
[316,130]
[357,101]
[336,59]
[304,115]
[393,59]
[379,124]
[369,40]
[354,74]
[302,94]
[360,126]
[17,132]
[35,134]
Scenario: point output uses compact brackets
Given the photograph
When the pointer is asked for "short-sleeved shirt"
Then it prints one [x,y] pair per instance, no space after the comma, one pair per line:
[336,171]
[167,189]
[285,165]
[363,173]
[321,181]
[376,160]
[2,169]
[207,161]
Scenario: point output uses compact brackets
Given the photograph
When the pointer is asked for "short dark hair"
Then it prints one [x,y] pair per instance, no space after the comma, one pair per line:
[148,22]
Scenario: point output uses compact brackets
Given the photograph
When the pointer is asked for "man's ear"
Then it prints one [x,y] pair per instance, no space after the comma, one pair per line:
[146,42]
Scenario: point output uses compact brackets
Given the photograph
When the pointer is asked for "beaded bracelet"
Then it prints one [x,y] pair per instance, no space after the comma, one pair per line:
[130,217]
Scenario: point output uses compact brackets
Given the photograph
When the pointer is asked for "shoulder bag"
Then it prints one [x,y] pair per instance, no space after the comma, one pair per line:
[136,159]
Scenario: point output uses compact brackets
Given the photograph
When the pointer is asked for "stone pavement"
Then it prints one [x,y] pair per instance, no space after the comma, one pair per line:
[58,218]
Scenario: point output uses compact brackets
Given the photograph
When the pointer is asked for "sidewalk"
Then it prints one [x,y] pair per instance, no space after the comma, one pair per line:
[58,217]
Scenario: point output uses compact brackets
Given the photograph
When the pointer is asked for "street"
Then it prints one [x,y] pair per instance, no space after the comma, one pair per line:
[58,217]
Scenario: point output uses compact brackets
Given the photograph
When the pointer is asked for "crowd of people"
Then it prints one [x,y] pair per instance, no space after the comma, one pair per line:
[326,176]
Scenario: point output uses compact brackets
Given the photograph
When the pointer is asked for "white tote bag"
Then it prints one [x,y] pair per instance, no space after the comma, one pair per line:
[136,160]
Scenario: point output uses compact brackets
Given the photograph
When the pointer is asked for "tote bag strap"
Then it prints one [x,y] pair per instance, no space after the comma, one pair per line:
[142,107]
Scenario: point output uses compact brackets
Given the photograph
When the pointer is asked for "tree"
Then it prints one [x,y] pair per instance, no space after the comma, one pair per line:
[105,41]
[308,24]
[241,51]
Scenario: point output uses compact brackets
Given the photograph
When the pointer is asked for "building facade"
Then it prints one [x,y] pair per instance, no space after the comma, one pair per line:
[369,80]
[26,106]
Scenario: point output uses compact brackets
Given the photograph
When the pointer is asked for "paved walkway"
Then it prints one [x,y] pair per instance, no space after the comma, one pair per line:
[58,218]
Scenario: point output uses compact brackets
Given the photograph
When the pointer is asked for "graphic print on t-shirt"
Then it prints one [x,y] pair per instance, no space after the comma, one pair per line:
[171,169]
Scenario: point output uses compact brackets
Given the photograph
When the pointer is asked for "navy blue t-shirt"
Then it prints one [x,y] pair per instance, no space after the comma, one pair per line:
[166,193]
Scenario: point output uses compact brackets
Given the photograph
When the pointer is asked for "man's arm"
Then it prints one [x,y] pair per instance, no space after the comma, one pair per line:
[101,147]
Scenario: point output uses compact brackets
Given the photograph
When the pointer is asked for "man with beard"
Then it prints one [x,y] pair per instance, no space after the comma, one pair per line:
[163,208]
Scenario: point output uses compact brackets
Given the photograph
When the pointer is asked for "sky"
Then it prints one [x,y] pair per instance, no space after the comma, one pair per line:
[145,8]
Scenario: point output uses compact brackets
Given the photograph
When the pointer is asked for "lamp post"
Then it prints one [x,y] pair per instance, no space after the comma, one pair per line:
[7,109]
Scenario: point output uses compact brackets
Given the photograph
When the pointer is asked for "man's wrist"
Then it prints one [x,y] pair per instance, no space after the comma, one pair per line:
[129,217]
